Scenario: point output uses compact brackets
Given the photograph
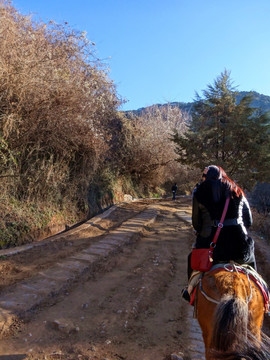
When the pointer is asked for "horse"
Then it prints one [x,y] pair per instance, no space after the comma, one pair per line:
[230,310]
[248,351]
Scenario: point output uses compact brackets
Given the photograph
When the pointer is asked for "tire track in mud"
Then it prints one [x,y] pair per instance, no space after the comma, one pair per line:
[131,309]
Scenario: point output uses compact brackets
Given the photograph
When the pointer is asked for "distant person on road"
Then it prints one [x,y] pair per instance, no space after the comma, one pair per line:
[174,189]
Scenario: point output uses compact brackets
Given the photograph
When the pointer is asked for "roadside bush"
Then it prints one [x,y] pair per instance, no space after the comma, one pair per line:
[260,197]
[55,102]
[260,201]
[23,222]
[57,117]
[261,224]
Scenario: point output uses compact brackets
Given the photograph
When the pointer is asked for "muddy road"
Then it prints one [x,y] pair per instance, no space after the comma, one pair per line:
[109,289]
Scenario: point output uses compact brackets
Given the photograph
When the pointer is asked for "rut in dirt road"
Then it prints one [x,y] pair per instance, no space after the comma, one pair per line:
[126,307]
[24,261]
[18,301]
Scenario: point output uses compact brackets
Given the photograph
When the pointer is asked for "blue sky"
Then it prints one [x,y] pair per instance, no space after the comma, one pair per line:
[161,51]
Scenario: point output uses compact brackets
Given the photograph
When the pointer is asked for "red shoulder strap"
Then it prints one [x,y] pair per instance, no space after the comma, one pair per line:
[220,225]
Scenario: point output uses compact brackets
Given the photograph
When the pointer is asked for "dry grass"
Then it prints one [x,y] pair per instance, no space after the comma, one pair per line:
[261,224]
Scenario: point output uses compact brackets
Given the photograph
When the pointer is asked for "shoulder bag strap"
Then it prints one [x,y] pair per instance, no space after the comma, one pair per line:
[220,226]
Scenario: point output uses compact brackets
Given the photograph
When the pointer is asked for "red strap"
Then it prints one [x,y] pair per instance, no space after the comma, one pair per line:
[192,297]
[220,225]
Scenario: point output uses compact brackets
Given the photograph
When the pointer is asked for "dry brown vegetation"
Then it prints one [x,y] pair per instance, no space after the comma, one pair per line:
[63,143]
[55,102]
[149,153]
[261,224]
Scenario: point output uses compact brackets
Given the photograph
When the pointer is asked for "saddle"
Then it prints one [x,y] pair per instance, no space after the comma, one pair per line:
[244,269]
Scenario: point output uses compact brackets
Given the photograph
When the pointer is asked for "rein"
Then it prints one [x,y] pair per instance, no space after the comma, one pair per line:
[205,295]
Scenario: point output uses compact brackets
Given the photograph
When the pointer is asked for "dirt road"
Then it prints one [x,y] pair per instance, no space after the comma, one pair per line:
[107,290]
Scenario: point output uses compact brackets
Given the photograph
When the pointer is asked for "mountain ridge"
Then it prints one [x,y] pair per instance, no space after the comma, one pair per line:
[260,101]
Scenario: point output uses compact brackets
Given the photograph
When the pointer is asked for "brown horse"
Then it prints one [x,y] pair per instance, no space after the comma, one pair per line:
[230,309]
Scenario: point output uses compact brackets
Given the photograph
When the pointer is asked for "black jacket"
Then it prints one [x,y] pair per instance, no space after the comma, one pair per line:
[174,188]
[233,242]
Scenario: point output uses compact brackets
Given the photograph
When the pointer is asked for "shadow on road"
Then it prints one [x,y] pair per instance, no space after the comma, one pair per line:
[13,357]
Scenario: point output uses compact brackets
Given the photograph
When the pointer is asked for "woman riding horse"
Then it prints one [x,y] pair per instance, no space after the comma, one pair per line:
[209,199]
[229,305]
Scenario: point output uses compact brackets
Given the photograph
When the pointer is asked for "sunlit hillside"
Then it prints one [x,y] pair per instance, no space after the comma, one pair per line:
[259,101]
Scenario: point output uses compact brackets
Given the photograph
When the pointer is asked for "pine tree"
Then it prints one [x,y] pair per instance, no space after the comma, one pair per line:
[222,132]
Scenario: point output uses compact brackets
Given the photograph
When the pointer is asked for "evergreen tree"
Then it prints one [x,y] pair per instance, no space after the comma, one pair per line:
[222,132]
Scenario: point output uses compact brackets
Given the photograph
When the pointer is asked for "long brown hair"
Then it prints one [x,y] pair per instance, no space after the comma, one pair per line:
[230,183]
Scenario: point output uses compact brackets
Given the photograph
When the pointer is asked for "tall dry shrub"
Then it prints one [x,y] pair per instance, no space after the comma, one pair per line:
[56,101]
[149,153]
